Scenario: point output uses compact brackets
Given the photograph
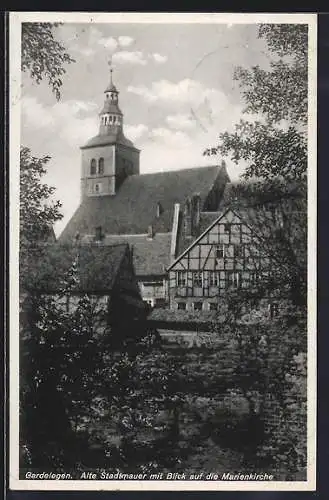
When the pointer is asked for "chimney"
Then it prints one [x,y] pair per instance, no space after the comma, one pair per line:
[195,215]
[187,219]
[174,232]
[159,209]
[150,233]
[131,254]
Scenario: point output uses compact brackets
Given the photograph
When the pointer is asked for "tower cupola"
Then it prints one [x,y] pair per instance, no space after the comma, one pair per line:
[111,117]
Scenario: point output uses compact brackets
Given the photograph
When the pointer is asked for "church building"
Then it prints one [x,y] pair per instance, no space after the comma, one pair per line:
[121,205]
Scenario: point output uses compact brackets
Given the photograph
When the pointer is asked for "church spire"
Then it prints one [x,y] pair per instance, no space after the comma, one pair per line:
[111,117]
[111,87]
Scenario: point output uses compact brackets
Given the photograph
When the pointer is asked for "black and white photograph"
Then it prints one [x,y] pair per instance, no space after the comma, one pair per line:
[163,251]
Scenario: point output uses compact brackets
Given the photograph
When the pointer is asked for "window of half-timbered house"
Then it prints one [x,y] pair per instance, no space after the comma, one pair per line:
[233,279]
[227,228]
[213,306]
[274,309]
[181,306]
[213,279]
[197,306]
[238,251]
[197,279]
[220,252]
[181,278]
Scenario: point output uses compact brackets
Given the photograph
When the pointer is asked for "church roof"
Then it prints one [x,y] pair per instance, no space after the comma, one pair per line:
[107,139]
[134,207]
[151,256]
[45,267]
[206,219]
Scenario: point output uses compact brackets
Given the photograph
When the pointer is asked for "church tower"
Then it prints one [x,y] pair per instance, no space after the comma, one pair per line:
[109,157]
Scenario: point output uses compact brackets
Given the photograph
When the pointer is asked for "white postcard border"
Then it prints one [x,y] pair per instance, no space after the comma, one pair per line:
[15,20]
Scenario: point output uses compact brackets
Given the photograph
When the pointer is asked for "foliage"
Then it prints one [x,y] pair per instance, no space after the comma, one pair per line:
[37,212]
[277,213]
[60,366]
[274,144]
[44,56]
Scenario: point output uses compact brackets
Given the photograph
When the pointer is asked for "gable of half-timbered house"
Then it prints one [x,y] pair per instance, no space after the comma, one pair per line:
[227,255]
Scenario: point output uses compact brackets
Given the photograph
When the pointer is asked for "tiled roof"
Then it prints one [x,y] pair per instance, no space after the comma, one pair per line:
[134,207]
[46,266]
[183,242]
[150,256]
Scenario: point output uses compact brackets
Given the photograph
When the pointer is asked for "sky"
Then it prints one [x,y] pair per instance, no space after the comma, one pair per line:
[177,94]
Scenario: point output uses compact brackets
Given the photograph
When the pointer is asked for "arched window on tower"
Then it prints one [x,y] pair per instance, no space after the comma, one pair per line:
[93,167]
[101,166]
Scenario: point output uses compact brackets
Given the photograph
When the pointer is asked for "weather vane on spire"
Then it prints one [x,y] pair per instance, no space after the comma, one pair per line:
[111,66]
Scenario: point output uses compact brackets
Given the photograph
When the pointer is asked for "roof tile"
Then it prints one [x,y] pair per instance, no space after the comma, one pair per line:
[134,207]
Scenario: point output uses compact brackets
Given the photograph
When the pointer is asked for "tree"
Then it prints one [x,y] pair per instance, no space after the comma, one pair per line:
[275,144]
[61,369]
[277,214]
[38,212]
[44,56]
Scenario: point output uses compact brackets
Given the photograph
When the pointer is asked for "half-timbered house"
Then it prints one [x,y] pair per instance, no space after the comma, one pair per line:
[230,254]
[104,274]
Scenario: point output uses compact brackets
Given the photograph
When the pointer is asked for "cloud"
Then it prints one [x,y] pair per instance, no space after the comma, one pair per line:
[181,121]
[176,150]
[170,138]
[125,41]
[109,43]
[184,91]
[36,115]
[73,121]
[126,57]
[135,132]
[96,38]
[199,105]
[159,58]
[86,51]
[94,34]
